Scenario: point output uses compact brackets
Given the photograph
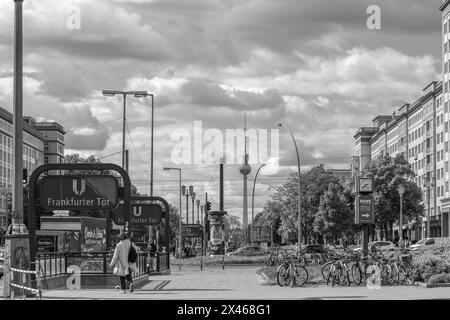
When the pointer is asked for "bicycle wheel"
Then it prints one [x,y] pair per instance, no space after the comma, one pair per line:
[330,276]
[282,275]
[326,270]
[386,274]
[344,277]
[356,274]
[402,274]
[301,275]
[395,276]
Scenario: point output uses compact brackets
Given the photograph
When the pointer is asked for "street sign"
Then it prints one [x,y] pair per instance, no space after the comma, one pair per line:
[79,192]
[142,214]
[192,230]
[364,209]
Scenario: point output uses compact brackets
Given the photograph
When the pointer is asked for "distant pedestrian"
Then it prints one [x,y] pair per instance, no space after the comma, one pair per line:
[120,264]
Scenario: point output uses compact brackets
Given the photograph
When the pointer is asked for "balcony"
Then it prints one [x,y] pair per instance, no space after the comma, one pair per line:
[429,133]
[429,167]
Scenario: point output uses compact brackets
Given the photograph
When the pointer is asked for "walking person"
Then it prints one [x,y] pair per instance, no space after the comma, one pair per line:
[120,263]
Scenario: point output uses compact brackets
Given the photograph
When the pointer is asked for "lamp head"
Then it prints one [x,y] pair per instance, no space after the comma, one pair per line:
[109,93]
[183,189]
[191,189]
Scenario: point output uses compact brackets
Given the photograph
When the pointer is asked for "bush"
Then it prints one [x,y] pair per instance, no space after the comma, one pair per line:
[439,278]
[432,264]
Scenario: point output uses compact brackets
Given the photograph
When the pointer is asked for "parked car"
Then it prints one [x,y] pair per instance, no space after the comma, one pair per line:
[248,251]
[380,245]
[430,244]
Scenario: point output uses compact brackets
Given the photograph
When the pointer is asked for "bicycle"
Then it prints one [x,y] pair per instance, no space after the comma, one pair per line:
[339,273]
[291,272]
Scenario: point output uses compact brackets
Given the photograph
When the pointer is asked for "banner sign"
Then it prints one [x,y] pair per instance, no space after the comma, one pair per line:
[192,230]
[79,192]
[93,234]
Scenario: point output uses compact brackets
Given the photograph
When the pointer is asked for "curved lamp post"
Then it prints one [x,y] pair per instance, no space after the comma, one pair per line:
[299,196]
[253,192]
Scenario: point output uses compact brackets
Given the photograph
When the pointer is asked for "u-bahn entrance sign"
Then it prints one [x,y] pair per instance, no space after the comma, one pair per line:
[79,192]
[142,214]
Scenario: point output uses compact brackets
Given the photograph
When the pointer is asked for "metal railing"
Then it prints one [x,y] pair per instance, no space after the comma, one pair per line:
[23,282]
[55,264]
[435,218]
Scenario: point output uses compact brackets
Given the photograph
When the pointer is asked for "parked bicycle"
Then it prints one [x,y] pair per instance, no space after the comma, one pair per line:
[292,271]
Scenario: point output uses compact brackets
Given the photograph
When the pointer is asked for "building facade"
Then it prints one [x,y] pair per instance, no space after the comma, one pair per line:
[420,131]
[43,142]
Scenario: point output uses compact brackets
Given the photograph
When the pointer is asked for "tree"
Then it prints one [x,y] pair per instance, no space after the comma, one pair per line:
[388,174]
[282,212]
[233,228]
[334,219]
[75,158]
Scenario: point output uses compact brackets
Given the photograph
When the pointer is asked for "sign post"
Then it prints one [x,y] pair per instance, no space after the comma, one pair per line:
[364,208]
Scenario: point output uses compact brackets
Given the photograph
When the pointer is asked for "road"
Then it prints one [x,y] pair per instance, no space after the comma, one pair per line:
[240,283]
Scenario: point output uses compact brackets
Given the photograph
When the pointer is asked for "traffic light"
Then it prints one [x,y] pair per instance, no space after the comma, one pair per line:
[25,176]
[208,206]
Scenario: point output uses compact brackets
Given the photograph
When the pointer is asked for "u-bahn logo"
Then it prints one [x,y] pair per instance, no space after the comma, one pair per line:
[137,211]
[78,188]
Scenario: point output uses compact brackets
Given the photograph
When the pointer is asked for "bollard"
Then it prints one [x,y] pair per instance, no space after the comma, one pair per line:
[201,263]
[223,263]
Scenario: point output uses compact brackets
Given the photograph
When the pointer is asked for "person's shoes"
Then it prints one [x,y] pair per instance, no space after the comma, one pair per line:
[123,291]
[131,287]
[117,287]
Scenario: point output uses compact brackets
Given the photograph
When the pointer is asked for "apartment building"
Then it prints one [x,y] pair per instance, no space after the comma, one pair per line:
[43,142]
[418,131]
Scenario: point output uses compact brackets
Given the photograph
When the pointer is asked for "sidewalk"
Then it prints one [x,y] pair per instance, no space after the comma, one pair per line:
[240,283]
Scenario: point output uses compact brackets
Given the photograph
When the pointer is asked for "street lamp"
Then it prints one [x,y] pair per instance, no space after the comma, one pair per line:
[193,208]
[198,211]
[299,197]
[253,195]
[428,185]
[185,192]
[180,233]
[137,94]
[145,94]
[401,191]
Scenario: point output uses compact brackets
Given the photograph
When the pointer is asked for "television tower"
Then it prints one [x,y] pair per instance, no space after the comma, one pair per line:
[245,169]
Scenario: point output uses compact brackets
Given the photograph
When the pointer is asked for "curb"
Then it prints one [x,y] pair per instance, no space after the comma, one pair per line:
[436,285]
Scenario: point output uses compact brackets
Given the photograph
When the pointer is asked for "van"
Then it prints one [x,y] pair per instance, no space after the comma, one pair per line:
[431,244]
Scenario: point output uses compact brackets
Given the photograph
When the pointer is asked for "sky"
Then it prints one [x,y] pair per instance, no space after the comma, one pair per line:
[313,65]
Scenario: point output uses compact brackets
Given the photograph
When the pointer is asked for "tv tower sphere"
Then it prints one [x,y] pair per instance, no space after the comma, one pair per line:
[245,169]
